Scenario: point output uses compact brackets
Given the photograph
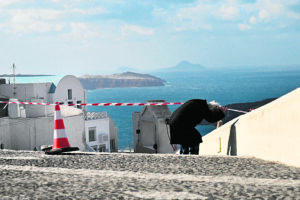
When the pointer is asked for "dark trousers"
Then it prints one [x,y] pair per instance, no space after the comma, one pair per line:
[193,149]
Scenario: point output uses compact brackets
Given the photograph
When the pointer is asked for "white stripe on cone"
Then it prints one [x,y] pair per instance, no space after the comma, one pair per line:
[57,115]
[60,133]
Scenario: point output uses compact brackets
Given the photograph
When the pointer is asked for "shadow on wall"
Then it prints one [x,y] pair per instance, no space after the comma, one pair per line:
[232,147]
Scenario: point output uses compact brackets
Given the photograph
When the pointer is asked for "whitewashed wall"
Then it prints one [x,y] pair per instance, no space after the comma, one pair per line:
[4,133]
[69,82]
[153,130]
[28,92]
[113,130]
[163,141]
[26,133]
[102,127]
[271,132]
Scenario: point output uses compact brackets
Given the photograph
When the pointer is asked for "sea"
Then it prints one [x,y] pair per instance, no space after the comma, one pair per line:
[226,86]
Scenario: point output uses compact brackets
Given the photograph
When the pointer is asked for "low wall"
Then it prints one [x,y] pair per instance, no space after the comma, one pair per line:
[27,133]
[4,136]
[271,132]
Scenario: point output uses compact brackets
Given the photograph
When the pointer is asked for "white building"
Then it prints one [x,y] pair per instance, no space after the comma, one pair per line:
[26,133]
[28,92]
[26,126]
[151,134]
[69,90]
[100,132]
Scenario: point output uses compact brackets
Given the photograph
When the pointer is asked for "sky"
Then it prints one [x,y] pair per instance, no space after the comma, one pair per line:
[99,36]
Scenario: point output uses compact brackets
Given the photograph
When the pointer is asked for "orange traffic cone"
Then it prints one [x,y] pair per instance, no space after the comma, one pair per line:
[60,142]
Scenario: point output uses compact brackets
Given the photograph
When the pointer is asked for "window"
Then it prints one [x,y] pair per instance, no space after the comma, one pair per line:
[102,148]
[79,106]
[69,93]
[92,134]
[70,103]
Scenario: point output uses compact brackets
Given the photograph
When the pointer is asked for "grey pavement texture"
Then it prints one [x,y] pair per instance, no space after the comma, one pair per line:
[34,175]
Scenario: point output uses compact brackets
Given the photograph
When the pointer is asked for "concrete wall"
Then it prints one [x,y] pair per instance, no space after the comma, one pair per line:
[153,130]
[271,132]
[163,141]
[14,109]
[135,127]
[113,130]
[33,111]
[38,111]
[75,129]
[5,141]
[27,92]
[25,133]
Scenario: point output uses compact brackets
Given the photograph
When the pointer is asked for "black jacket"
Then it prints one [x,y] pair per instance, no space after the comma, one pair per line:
[185,118]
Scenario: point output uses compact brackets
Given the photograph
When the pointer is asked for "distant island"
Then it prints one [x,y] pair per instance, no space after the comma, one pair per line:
[126,79]
[183,66]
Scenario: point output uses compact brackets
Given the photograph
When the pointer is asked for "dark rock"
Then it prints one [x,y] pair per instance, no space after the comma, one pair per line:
[247,107]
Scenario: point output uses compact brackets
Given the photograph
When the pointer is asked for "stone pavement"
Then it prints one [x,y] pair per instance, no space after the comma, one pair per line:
[34,175]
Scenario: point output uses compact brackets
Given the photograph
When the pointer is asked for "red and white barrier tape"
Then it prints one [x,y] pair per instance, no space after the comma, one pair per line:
[26,103]
[99,104]
[241,111]
[111,104]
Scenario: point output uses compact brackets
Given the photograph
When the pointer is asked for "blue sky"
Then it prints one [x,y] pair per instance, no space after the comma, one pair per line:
[99,36]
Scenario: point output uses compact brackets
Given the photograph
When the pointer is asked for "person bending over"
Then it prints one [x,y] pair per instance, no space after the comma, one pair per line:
[185,118]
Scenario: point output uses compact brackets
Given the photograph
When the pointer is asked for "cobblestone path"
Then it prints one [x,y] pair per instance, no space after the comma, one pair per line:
[34,175]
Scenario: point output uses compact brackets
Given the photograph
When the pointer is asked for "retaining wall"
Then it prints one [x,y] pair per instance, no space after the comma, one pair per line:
[271,132]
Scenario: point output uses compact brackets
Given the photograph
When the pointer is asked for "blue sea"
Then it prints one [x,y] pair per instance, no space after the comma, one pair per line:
[225,86]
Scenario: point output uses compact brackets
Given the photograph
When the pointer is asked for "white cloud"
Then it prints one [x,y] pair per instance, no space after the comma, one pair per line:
[293,15]
[264,14]
[228,12]
[128,29]
[4,3]
[41,20]
[92,11]
[194,12]
[268,10]
[192,17]
[253,20]
[195,16]
[32,20]
[159,12]
[37,14]
[207,14]
[276,13]
[81,31]
[244,27]
[192,26]
[200,15]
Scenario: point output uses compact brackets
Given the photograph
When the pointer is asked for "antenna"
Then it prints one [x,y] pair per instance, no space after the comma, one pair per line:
[14,74]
